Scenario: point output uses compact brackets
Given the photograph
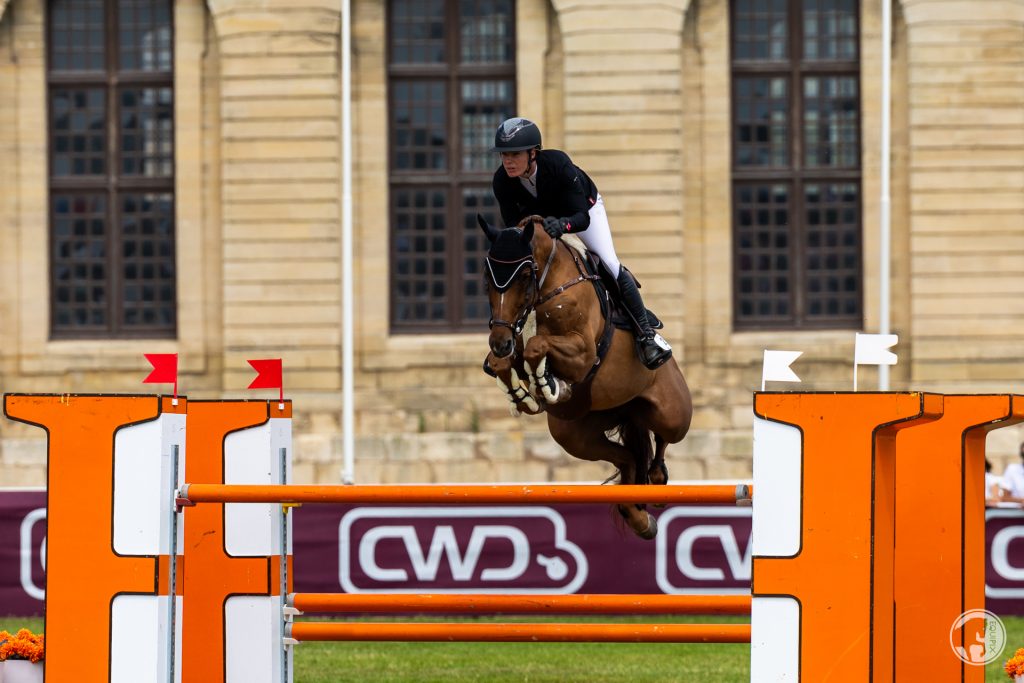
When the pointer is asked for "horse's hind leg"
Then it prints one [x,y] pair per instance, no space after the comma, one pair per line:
[585,439]
[657,473]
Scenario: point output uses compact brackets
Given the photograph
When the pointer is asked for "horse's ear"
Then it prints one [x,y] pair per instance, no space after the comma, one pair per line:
[528,232]
[489,230]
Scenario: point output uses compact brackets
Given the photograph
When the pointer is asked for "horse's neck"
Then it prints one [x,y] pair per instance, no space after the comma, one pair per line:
[554,265]
[562,312]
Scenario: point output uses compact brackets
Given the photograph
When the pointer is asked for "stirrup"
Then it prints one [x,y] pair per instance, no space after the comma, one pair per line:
[653,351]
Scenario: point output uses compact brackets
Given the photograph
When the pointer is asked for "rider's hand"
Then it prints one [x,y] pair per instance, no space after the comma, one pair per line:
[556,227]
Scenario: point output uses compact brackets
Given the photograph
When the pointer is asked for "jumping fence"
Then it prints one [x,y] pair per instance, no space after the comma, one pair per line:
[152,497]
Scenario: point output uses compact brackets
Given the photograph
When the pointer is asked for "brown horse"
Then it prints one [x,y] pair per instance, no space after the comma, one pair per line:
[547,329]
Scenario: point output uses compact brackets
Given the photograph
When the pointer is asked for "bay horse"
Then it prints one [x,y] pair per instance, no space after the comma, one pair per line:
[554,352]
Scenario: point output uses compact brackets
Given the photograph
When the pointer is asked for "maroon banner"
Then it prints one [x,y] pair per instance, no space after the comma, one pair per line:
[22,552]
[523,549]
[1004,561]
[497,549]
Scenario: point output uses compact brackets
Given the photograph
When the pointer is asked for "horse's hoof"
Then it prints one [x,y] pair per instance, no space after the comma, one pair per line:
[652,528]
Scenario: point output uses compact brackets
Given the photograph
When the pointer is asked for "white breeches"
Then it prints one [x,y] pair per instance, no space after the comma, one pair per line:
[598,237]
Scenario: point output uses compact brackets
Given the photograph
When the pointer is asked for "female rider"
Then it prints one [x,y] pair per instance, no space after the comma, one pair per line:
[545,182]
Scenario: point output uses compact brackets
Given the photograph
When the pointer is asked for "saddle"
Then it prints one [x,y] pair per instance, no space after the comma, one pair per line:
[607,293]
[612,310]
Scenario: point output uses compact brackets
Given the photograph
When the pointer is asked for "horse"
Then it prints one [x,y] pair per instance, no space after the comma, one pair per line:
[554,351]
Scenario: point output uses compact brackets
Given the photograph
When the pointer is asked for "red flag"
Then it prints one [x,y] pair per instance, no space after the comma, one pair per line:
[165,369]
[268,375]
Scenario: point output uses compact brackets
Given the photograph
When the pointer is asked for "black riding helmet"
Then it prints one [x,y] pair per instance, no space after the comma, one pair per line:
[515,135]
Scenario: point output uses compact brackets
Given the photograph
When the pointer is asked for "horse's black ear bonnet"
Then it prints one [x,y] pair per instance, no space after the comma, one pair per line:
[508,255]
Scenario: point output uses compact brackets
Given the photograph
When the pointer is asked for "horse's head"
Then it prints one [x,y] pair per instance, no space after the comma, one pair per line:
[510,276]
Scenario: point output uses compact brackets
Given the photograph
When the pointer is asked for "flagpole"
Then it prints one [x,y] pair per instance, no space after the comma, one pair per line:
[884,204]
[347,295]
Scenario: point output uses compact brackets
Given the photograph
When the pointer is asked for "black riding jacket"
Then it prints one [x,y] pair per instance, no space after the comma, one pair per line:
[563,191]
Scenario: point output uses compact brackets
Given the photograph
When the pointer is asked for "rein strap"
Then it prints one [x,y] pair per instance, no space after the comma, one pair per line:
[583,277]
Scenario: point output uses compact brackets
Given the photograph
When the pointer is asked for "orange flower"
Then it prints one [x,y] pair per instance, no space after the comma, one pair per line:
[23,645]
[1015,665]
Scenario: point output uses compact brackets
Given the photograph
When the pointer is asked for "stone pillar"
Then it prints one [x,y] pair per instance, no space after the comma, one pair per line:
[623,126]
[280,168]
[966,104]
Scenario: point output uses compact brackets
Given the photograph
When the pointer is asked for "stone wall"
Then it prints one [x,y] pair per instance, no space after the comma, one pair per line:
[638,93]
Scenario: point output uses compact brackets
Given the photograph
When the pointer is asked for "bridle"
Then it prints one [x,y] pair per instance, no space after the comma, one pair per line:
[536,283]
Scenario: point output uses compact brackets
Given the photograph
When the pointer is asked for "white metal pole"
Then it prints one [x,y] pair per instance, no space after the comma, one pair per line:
[348,298]
[884,204]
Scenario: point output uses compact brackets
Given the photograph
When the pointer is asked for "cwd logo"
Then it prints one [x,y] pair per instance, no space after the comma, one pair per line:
[32,566]
[454,550]
[703,550]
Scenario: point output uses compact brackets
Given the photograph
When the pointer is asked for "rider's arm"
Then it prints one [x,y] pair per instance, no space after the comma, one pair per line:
[573,186]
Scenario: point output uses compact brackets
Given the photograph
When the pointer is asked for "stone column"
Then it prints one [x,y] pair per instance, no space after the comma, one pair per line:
[280,156]
[623,126]
[966,109]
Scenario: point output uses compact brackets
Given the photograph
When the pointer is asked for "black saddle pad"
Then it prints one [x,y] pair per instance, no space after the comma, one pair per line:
[606,287]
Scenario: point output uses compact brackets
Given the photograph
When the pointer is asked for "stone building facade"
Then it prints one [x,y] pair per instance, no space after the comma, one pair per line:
[640,93]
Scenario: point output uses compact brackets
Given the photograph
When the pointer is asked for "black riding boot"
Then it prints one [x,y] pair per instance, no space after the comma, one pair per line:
[652,349]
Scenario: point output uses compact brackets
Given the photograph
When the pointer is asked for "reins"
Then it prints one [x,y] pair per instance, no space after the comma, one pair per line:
[583,277]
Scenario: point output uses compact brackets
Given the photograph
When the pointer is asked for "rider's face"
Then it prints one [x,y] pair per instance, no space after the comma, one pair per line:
[516,164]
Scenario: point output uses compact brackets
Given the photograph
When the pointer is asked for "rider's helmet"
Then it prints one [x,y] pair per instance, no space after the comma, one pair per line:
[515,135]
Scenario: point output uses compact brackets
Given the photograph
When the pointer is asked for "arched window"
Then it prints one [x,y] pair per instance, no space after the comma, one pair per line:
[796,170]
[451,81]
[111,169]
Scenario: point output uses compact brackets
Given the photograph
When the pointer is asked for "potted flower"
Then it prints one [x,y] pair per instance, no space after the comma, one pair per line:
[20,657]
[1015,665]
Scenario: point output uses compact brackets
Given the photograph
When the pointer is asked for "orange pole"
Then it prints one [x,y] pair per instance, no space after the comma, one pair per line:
[521,604]
[306,631]
[695,494]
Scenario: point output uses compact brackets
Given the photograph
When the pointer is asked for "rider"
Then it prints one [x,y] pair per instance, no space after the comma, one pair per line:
[545,182]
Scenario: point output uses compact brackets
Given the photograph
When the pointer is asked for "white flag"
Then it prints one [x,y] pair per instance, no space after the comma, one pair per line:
[871,349]
[776,367]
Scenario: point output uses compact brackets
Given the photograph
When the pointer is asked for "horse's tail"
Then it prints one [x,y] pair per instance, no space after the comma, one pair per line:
[637,440]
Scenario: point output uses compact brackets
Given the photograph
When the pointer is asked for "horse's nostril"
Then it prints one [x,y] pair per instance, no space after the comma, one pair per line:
[502,348]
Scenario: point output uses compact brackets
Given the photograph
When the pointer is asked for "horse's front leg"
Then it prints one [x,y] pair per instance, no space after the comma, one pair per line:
[512,383]
[570,355]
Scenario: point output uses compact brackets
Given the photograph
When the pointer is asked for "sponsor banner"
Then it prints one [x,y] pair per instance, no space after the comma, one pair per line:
[498,549]
[523,549]
[22,552]
[1004,561]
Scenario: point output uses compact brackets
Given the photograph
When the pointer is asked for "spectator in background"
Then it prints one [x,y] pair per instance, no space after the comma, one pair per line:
[992,495]
[1012,484]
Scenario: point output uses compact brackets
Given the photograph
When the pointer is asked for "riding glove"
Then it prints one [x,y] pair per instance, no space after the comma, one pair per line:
[556,227]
